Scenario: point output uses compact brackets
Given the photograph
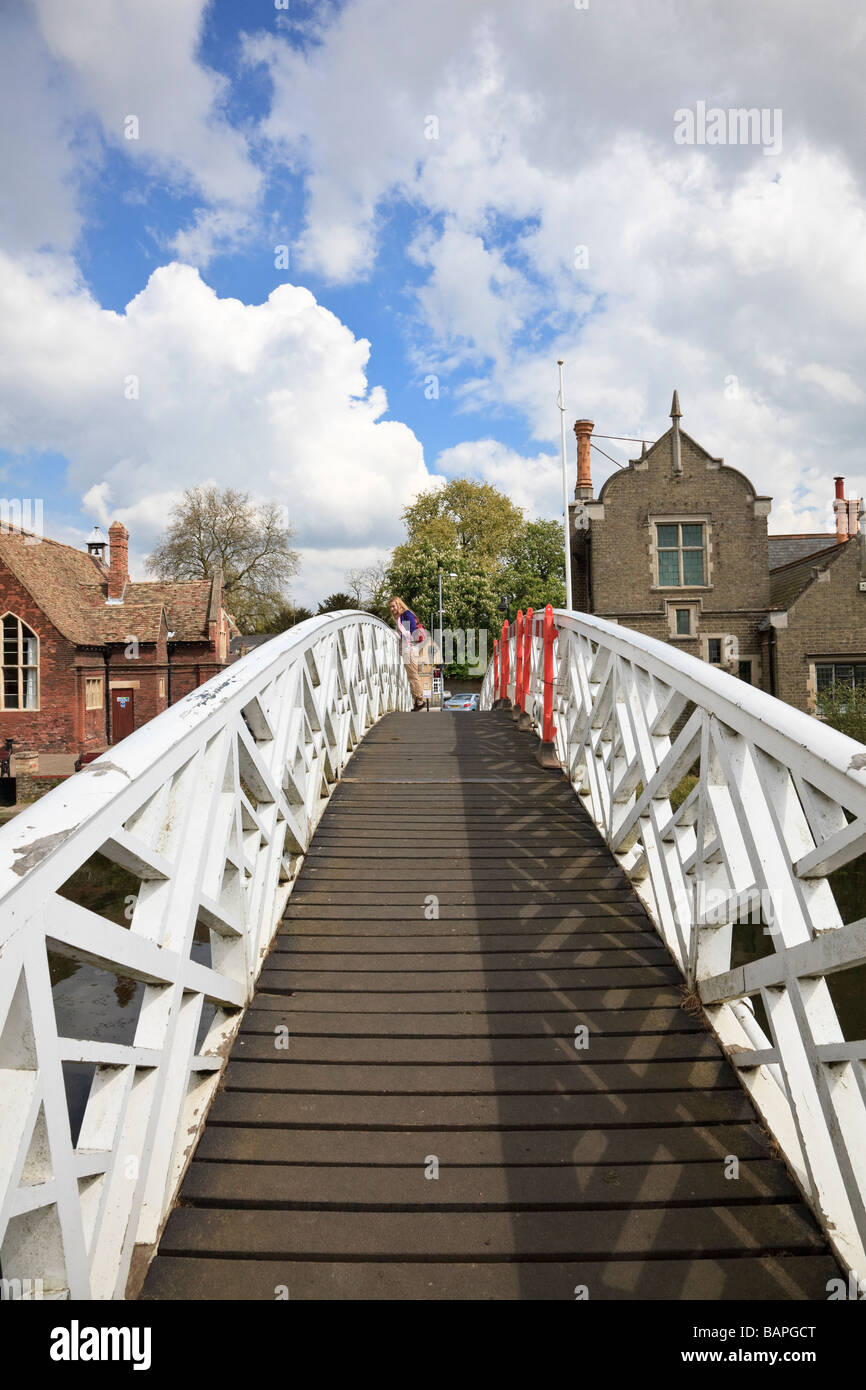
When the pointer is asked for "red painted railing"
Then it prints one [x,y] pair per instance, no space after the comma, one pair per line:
[548,631]
[527,657]
[518,661]
[504,652]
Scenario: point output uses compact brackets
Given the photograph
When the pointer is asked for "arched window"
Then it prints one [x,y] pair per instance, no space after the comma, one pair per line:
[20,688]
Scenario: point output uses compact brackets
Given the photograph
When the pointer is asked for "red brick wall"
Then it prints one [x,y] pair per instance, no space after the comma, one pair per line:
[62,724]
[192,665]
[58,726]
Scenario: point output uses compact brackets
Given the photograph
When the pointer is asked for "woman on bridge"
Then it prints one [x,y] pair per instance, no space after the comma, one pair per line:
[413,636]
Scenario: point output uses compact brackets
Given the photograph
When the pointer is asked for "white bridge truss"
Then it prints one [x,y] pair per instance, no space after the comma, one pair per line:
[211,806]
[779,803]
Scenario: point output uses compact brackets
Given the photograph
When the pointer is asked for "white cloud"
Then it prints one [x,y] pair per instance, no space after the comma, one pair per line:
[40,159]
[532,483]
[720,271]
[837,384]
[185,387]
[133,59]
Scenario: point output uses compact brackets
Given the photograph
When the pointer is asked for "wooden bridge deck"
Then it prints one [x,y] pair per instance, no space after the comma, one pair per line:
[415,1038]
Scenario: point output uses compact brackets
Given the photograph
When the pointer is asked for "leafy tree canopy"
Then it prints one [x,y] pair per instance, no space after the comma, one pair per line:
[472,518]
[534,571]
[288,616]
[334,602]
[469,600]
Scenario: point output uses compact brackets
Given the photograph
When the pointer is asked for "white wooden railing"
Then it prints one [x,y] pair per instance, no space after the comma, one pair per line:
[778,804]
[211,806]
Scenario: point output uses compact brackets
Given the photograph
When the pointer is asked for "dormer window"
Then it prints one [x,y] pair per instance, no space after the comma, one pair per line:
[20,687]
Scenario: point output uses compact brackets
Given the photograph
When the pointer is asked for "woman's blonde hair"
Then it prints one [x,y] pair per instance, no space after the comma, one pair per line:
[401,606]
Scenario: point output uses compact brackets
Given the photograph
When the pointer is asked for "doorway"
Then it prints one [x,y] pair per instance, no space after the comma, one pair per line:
[122,713]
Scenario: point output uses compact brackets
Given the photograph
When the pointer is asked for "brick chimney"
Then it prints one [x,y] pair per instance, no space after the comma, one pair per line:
[847,511]
[583,429]
[118,571]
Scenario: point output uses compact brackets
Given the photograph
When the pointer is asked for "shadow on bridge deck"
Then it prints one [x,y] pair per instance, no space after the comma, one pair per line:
[419,1042]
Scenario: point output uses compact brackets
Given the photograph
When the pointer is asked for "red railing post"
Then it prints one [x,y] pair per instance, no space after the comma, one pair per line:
[549,635]
[495,667]
[504,663]
[527,656]
[518,663]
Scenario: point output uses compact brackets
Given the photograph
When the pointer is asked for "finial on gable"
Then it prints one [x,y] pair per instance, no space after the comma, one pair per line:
[675,416]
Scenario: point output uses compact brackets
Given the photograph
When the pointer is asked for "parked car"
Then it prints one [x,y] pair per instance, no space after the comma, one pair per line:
[467,701]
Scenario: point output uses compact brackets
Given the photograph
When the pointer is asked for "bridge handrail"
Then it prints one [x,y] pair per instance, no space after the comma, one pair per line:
[211,806]
[779,803]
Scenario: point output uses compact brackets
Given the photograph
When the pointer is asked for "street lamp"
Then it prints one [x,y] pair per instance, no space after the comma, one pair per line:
[451,575]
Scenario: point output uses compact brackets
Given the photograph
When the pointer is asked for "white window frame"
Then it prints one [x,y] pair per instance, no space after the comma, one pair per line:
[97,681]
[680,521]
[20,666]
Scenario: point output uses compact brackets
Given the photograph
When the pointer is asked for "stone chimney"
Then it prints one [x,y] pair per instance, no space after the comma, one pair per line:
[840,509]
[118,571]
[583,429]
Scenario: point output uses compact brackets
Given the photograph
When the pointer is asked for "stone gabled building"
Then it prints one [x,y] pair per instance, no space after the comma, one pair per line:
[89,654]
[676,545]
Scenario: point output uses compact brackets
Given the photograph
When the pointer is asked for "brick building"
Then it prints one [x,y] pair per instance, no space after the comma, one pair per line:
[676,545]
[88,654]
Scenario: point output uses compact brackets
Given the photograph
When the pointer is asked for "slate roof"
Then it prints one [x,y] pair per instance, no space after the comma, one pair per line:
[787,582]
[71,586]
[784,549]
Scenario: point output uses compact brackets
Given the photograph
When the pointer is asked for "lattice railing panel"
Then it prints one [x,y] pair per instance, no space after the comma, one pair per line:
[778,803]
[211,806]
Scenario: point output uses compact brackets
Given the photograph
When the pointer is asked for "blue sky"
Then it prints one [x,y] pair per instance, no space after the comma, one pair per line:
[466,191]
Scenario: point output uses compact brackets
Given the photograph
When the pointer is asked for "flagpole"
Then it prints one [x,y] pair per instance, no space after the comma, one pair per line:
[565,523]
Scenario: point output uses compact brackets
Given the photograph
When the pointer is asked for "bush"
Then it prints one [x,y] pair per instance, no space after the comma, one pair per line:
[845,709]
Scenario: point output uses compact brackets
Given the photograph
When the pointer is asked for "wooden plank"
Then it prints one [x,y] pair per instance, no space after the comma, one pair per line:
[478,962]
[273,977]
[593,908]
[596,920]
[479,1002]
[353,1051]
[793,1278]
[498,1148]
[512,1235]
[541,1022]
[580,1074]
[595,1186]
[347,1112]
[632,945]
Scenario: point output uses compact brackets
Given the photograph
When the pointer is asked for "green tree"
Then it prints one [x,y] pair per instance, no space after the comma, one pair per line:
[845,709]
[288,616]
[472,518]
[534,571]
[334,602]
[248,541]
[469,601]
